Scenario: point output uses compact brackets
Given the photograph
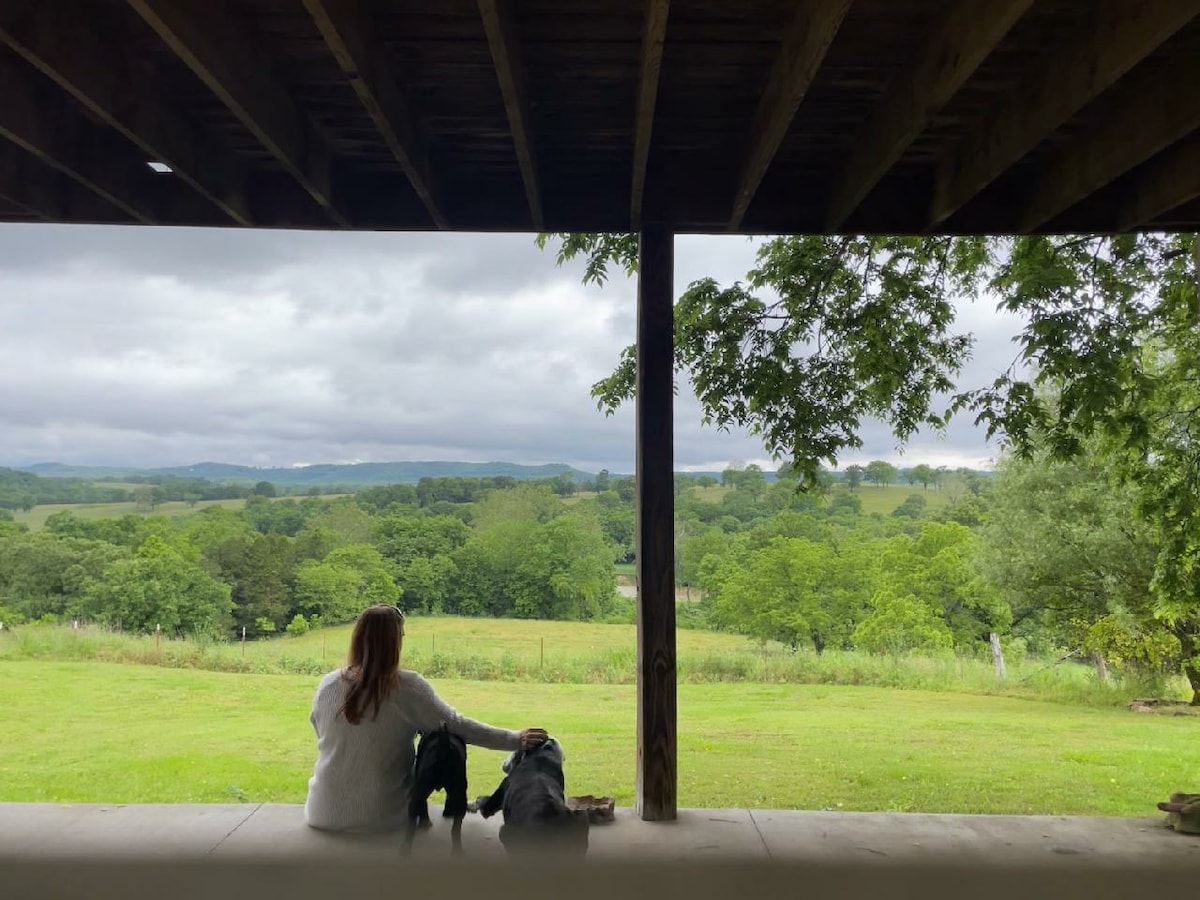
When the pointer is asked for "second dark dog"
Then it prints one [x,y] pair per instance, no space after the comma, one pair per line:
[532,797]
[441,765]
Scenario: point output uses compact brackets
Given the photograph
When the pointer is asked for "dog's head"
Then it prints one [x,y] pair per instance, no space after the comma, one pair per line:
[550,749]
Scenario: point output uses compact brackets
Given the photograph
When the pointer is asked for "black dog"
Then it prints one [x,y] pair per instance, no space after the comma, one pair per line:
[441,764]
[532,797]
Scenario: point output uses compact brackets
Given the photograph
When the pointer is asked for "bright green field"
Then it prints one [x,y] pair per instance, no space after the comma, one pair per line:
[77,732]
[36,517]
[497,638]
[884,500]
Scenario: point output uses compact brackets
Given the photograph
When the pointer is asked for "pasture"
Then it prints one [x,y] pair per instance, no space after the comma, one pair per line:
[527,650]
[36,518]
[884,500]
[97,732]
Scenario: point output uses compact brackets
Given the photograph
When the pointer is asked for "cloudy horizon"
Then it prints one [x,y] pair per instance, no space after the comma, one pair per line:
[141,347]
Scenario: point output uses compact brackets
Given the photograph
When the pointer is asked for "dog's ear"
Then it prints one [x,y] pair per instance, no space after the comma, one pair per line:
[511,762]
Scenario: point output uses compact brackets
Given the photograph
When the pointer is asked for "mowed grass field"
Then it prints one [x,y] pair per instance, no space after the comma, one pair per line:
[93,732]
[495,639]
[36,517]
[884,500]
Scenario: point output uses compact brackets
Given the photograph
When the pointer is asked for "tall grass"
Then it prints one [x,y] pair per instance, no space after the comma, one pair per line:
[699,662]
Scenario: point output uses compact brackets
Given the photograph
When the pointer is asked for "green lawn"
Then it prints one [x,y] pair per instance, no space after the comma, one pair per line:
[77,732]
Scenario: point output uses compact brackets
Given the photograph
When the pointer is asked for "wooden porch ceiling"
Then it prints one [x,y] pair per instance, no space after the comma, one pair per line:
[956,116]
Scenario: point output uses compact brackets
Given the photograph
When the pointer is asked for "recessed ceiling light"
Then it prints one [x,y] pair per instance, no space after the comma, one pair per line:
[160,167]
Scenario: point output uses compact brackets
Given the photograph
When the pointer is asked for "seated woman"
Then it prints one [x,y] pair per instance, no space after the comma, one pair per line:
[367,716]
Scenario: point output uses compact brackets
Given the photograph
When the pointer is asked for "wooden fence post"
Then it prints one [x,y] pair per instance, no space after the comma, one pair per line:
[997,655]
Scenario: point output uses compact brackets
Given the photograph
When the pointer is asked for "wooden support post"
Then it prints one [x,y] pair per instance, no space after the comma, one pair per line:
[656,756]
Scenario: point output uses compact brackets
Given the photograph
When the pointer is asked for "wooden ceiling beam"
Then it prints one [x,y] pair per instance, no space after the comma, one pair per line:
[24,188]
[959,42]
[654,33]
[46,195]
[93,67]
[1149,111]
[352,40]
[42,122]
[1117,36]
[498,24]
[1170,180]
[796,65]
[207,39]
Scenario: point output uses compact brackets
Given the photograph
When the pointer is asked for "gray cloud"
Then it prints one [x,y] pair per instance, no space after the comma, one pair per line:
[122,345]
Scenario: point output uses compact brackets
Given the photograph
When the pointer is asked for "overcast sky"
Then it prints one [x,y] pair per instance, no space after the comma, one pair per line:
[162,346]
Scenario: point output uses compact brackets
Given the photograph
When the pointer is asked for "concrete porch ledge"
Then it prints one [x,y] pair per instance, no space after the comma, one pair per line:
[60,852]
[277,832]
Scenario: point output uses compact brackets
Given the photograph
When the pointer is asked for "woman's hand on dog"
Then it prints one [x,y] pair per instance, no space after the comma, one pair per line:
[533,737]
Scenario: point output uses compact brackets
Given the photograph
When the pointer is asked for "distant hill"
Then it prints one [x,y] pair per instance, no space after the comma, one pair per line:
[356,475]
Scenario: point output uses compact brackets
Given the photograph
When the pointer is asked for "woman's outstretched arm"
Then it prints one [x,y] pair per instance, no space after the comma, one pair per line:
[427,711]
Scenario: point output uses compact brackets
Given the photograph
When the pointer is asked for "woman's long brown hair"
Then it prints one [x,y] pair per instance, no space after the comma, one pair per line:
[374,659]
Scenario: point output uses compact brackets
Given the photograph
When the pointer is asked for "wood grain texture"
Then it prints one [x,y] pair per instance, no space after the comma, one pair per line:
[351,39]
[657,787]
[654,34]
[45,125]
[795,66]
[1149,112]
[482,116]
[93,66]
[959,42]
[1116,36]
[210,42]
[506,56]
[1171,179]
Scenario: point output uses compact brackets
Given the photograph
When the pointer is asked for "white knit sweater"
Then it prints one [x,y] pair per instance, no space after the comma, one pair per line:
[363,772]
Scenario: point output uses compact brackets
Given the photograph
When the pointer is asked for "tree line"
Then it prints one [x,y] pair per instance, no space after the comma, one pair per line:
[279,564]
[1042,553]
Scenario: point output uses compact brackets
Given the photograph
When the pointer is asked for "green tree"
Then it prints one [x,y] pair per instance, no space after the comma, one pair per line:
[346,518]
[913,507]
[264,489]
[1062,547]
[693,550]
[923,474]
[347,581]
[427,582]
[144,498]
[486,564]
[853,327]
[854,476]
[880,473]
[525,502]
[901,624]
[566,572]
[260,571]
[403,538]
[43,574]
[863,326]
[158,586]
[788,591]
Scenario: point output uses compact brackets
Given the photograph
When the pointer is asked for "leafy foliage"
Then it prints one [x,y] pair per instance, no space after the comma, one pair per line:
[827,331]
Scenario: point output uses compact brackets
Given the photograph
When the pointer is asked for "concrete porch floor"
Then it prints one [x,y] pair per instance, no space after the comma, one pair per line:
[277,832]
